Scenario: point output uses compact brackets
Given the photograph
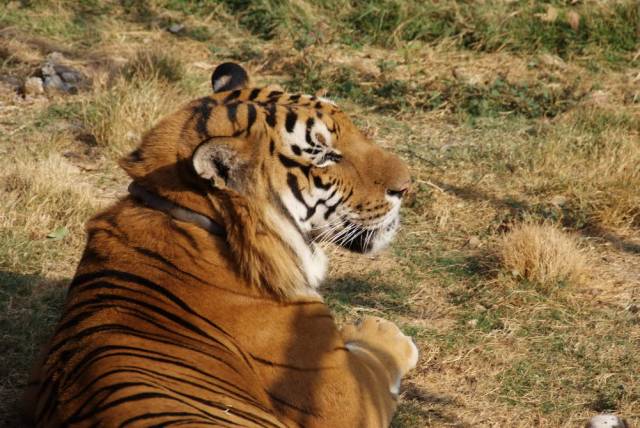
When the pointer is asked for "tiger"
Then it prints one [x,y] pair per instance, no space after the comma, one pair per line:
[196,302]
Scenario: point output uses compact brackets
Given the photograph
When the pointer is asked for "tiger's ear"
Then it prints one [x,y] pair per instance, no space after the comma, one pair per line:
[229,77]
[223,161]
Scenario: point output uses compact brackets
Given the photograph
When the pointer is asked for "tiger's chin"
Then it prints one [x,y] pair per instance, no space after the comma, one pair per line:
[372,241]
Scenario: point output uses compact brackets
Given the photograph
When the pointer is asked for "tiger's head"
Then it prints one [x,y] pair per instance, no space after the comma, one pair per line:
[281,172]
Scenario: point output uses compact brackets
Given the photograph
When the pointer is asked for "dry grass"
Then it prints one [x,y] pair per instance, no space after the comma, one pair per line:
[505,119]
[41,193]
[543,254]
[118,117]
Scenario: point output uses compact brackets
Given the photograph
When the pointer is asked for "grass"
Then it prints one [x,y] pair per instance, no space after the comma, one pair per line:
[509,114]
[543,254]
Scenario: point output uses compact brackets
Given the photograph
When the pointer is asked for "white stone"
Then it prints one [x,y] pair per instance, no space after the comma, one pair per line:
[33,86]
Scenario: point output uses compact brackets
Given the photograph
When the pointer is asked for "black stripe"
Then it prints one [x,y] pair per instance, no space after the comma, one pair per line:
[120,328]
[129,399]
[290,121]
[307,135]
[274,96]
[184,233]
[232,112]
[125,276]
[313,150]
[215,404]
[271,115]
[331,209]
[232,96]
[251,116]
[161,259]
[95,355]
[147,416]
[254,94]
[292,182]
[290,163]
[294,98]
[317,181]
[164,376]
[203,111]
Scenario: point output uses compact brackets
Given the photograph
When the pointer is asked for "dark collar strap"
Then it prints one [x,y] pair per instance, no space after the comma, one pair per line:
[179,213]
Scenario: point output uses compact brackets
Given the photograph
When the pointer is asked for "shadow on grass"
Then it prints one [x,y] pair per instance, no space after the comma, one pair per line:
[422,408]
[29,307]
[518,208]
[347,292]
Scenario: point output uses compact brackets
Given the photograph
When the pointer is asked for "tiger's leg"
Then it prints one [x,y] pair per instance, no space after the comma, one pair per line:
[387,354]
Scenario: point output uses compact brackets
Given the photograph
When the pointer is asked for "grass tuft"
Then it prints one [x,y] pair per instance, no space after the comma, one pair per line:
[118,118]
[154,64]
[543,254]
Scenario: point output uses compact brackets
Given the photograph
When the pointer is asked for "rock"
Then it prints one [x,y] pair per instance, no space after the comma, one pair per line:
[550,16]
[573,19]
[472,78]
[474,242]
[33,86]
[558,201]
[62,78]
[54,82]
[553,61]
[175,28]
[55,57]
[606,421]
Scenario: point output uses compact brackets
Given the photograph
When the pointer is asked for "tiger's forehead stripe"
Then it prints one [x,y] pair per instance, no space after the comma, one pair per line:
[273,107]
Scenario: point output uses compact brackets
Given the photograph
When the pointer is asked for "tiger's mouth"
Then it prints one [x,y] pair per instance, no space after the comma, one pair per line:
[359,238]
[368,240]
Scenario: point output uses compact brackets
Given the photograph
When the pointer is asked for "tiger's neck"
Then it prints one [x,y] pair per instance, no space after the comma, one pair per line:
[313,261]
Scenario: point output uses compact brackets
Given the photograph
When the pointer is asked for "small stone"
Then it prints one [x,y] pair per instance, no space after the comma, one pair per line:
[472,322]
[68,75]
[47,69]
[573,19]
[606,421]
[33,86]
[54,83]
[479,308]
[132,136]
[55,57]
[474,242]
[175,28]
[559,201]
[553,61]
[472,78]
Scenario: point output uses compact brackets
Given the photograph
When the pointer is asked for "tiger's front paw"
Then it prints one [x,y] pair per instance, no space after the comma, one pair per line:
[384,339]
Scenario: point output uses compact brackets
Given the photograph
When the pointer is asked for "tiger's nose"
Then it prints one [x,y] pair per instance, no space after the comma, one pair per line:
[399,190]
[399,182]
